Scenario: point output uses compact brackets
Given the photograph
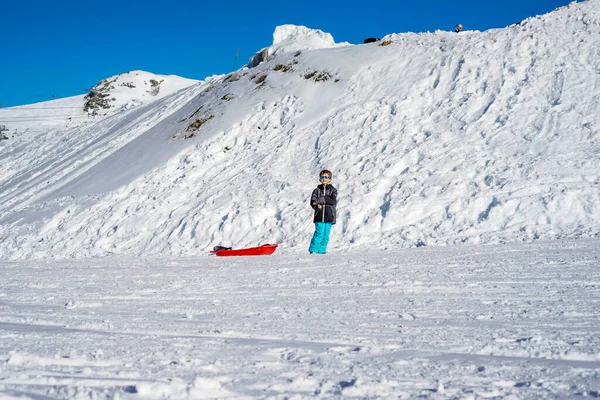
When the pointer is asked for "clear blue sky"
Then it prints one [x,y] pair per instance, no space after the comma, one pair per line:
[58,48]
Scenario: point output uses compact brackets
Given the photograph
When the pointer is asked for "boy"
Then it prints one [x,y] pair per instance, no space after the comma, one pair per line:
[323,200]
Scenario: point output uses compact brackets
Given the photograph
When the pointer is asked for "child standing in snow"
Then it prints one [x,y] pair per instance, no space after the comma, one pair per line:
[323,201]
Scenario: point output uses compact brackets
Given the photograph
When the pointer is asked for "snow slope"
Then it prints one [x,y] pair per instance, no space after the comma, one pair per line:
[434,139]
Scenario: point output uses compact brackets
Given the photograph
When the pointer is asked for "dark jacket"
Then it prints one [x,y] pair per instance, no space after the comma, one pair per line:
[328,195]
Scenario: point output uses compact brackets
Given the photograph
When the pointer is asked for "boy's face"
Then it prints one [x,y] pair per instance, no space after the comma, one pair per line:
[325,178]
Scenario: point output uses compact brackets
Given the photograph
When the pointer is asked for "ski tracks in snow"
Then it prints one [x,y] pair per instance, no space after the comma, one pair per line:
[476,321]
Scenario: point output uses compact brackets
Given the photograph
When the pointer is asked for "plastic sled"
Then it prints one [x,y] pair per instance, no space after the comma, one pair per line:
[264,250]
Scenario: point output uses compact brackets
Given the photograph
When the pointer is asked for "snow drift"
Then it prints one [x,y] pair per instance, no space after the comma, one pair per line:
[434,139]
[292,38]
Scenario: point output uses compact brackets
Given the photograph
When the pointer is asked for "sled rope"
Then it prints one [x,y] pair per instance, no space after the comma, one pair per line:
[296,233]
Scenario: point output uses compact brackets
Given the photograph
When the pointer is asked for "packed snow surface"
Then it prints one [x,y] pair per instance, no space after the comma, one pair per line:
[515,321]
[433,139]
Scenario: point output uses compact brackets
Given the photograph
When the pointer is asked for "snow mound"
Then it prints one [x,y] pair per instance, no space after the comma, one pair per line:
[292,38]
[434,139]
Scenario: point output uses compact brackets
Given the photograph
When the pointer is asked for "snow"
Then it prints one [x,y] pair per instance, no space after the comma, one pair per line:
[129,89]
[133,88]
[434,139]
[505,321]
[294,38]
[463,263]
[291,38]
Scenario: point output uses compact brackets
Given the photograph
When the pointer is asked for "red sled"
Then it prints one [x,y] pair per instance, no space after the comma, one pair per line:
[264,250]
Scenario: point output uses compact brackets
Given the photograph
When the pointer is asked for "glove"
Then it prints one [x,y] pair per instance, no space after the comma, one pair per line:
[321,200]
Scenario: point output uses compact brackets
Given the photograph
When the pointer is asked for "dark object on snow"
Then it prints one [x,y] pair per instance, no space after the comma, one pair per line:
[217,248]
[371,40]
[264,250]
[458,28]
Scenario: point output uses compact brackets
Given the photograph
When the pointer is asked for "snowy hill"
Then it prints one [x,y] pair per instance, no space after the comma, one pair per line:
[434,139]
[120,92]
[131,89]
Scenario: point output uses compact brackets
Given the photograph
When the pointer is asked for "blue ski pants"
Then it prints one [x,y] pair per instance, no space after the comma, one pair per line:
[319,241]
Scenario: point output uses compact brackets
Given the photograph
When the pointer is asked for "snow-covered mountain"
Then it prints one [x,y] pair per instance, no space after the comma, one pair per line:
[433,138]
[131,89]
[120,92]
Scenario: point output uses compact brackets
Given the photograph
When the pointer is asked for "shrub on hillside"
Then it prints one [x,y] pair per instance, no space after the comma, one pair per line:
[98,97]
[155,86]
[232,78]
[95,100]
[193,128]
[285,67]
[317,76]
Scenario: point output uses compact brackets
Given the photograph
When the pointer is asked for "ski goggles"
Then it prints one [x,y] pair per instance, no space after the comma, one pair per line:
[324,177]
